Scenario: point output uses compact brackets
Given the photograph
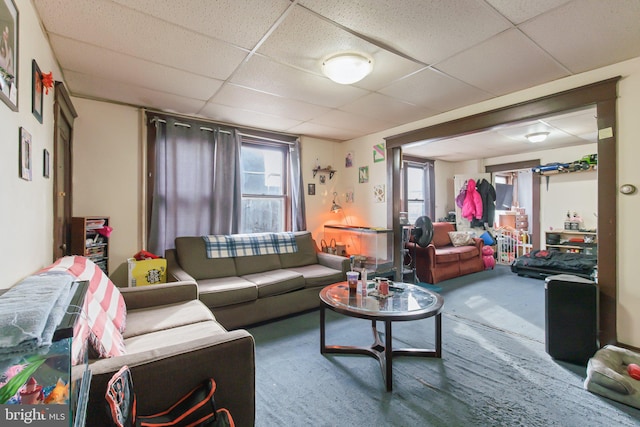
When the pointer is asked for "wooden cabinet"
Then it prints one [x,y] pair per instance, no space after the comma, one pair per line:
[585,242]
[88,242]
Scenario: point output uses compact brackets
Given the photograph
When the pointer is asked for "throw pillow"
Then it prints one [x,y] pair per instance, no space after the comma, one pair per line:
[100,286]
[461,238]
[104,307]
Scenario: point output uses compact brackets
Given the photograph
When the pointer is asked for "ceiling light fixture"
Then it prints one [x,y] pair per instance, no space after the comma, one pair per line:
[537,136]
[347,68]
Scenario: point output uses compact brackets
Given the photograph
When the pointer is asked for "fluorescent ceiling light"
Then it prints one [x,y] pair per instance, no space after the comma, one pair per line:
[347,68]
[537,137]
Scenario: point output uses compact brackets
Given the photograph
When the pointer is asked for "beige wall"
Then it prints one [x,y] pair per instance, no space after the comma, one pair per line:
[107,175]
[26,223]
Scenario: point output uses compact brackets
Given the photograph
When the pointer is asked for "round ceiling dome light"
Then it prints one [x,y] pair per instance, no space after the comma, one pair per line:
[537,136]
[347,68]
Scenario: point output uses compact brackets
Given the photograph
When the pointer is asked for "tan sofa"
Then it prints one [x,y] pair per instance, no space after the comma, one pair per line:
[440,260]
[173,342]
[247,290]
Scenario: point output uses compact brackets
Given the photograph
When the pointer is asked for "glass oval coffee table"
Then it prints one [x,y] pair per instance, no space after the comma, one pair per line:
[404,302]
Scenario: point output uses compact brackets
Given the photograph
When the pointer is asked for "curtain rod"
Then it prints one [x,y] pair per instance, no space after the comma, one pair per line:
[186,125]
[244,131]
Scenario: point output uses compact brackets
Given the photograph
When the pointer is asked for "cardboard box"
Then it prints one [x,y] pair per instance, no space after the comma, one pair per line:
[147,272]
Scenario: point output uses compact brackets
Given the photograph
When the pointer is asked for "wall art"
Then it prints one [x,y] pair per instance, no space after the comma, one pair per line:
[363,174]
[311,189]
[379,193]
[378,153]
[45,163]
[25,155]
[36,91]
[9,54]
[348,160]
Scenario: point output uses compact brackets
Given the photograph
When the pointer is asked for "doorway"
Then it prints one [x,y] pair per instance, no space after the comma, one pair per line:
[64,115]
[603,96]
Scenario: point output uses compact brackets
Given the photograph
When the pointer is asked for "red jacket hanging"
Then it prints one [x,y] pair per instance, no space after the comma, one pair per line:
[472,206]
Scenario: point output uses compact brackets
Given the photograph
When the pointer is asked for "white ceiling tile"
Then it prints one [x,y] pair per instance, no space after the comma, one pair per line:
[252,119]
[248,99]
[505,63]
[350,121]
[587,34]
[426,30]
[108,65]
[218,19]
[324,132]
[117,28]
[382,107]
[518,11]
[88,86]
[262,74]
[303,40]
[434,90]
[175,54]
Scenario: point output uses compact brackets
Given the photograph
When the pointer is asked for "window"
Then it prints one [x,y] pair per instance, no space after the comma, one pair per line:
[206,179]
[418,190]
[265,195]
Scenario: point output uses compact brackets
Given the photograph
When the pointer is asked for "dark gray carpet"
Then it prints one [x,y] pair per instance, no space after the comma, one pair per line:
[494,370]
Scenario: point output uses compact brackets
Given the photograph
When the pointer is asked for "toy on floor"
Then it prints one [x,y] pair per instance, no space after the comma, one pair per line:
[487,258]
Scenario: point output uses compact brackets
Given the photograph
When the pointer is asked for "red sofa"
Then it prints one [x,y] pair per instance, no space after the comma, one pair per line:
[440,260]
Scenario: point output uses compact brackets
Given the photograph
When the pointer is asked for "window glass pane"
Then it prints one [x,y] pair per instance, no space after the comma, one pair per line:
[262,170]
[261,215]
[415,210]
[415,183]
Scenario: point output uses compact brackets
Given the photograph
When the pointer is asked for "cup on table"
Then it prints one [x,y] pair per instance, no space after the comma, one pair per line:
[352,280]
[383,287]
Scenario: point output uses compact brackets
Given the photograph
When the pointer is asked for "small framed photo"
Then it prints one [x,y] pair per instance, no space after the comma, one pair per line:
[45,163]
[25,155]
[323,179]
[363,174]
[348,160]
[36,91]
[9,54]
[311,189]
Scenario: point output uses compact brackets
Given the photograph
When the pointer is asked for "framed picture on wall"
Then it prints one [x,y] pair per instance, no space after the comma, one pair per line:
[311,189]
[36,91]
[9,54]
[25,155]
[45,163]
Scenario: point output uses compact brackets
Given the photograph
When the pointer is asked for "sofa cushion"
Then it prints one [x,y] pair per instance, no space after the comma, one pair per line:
[153,341]
[468,252]
[461,238]
[306,253]
[192,257]
[318,275]
[441,234]
[147,320]
[276,282]
[447,254]
[225,291]
[256,264]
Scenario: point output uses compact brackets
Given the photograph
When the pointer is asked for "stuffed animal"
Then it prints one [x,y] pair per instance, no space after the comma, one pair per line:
[487,257]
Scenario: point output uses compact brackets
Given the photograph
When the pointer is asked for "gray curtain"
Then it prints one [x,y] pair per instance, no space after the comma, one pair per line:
[299,222]
[197,183]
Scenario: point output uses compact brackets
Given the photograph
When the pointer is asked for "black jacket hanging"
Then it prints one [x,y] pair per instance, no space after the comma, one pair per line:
[488,196]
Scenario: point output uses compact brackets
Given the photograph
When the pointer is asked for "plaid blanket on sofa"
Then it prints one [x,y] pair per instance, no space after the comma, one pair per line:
[233,245]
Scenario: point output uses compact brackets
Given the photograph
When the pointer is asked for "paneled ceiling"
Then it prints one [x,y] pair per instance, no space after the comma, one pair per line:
[256,63]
